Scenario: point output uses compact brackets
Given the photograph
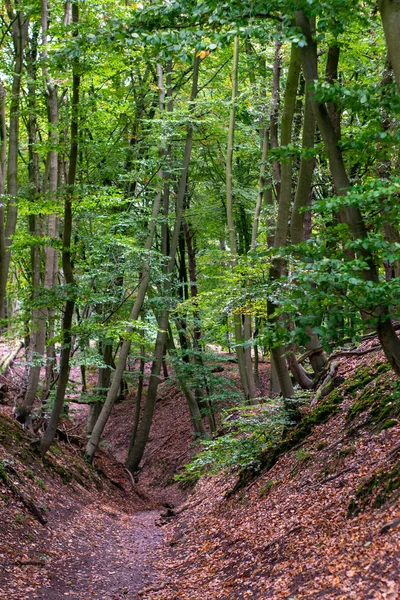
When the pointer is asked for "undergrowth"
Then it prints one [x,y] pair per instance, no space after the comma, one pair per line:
[254,438]
[246,432]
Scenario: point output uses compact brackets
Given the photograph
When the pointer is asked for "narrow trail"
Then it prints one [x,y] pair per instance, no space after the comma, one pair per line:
[97,553]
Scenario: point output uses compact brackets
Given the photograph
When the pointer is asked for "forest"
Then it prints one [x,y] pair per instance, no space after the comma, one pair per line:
[199,297]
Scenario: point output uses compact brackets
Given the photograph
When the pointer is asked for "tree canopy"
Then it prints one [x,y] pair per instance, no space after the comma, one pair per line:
[180,178]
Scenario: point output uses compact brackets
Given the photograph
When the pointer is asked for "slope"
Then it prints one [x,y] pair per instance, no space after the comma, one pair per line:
[67,529]
[321,519]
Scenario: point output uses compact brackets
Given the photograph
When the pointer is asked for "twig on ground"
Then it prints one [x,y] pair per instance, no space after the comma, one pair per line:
[130,477]
[152,588]
[354,352]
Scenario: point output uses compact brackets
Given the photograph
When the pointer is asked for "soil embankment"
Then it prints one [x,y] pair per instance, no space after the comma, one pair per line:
[70,530]
[321,520]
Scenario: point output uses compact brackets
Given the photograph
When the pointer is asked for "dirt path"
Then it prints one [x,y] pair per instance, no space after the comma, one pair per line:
[97,553]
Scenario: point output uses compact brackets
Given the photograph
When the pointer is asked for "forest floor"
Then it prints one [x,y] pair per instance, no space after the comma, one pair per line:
[102,530]
[322,522]
[96,538]
[100,553]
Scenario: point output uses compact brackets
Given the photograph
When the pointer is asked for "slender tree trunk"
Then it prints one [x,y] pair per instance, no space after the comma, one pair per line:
[198,358]
[193,405]
[248,337]
[245,369]
[262,188]
[304,182]
[66,325]
[3,169]
[282,223]
[139,394]
[103,383]
[276,75]
[142,434]
[331,76]
[19,29]
[390,14]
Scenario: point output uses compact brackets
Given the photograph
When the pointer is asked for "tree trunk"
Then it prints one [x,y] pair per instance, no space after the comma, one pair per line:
[192,403]
[285,197]
[3,167]
[331,76]
[282,222]
[139,393]
[245,369]
[19,29]
[304,182]
[274,387]
[142,435]
[390,14]
[51,429]
[103,383]
[298,372]
[276,76]
[198,358]
[262,188]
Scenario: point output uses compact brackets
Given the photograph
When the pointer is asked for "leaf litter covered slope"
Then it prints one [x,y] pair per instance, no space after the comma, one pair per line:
[96,543]
[101,532]
[170,445]
[323,522]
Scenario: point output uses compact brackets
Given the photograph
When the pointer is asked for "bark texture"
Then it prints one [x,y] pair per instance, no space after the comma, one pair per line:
[390,14]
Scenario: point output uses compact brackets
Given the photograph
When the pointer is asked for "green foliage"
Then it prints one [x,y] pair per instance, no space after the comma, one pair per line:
[196,367]
[246,432]
[131,147]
